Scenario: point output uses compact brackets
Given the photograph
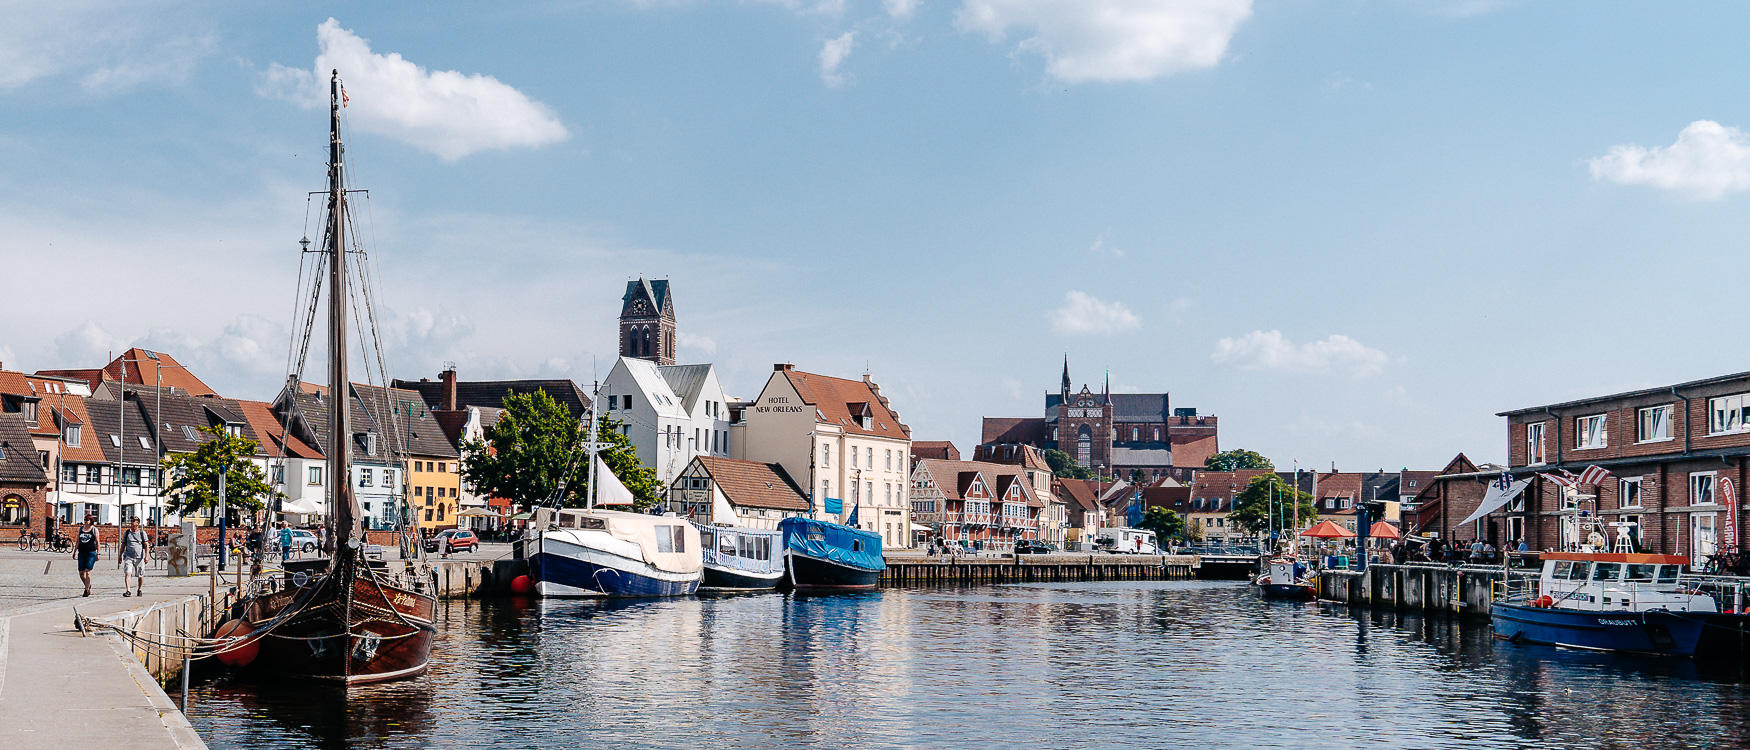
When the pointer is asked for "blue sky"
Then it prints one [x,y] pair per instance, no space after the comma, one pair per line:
[1353,230]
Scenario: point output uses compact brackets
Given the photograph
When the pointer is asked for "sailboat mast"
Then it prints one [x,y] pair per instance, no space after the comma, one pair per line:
[589,414]
[343,503]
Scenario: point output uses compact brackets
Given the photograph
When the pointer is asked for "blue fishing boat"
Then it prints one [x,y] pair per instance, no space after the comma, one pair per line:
[1606,602]
[826,557]
[614,553]
[737,558]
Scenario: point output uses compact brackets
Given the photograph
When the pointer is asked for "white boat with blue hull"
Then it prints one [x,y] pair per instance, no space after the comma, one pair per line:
[588,553]
[737,558]
[1606,602]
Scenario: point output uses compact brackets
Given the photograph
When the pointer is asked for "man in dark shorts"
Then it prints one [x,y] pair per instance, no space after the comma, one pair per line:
[86,551]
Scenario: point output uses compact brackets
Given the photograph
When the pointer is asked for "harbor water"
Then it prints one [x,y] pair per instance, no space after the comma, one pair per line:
[1130,664]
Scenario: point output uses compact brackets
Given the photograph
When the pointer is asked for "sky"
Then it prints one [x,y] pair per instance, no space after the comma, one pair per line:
[1353,230]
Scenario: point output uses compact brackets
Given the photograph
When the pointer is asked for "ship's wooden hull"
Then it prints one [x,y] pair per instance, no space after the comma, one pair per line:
[384,632]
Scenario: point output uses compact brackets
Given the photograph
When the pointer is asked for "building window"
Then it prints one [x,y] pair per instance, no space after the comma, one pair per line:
[1701,488]
[825,456]
[1728,414]
[1629,492]
[1653,424]
[1534,443]
[853,457]
[234,430]
[315,475]
[1703,536]
[70,473]
[71,435]
[1084,446]
[826,488]
[29,409]
[1157,434]
[418,491]
[1589,432]
[365,477]
[889,457]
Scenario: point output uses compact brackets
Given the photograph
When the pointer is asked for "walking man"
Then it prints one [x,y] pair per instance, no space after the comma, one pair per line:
[285,541]
[86,552]
[134,546]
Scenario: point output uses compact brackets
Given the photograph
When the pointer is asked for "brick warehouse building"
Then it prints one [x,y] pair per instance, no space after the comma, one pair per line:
[1671,451]
[1118,434]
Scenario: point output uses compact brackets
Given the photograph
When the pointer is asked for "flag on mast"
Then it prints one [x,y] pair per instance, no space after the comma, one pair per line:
[1594,474]
[609,490]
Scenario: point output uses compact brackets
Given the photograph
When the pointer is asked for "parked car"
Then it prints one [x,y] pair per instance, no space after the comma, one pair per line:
[452,540]
[304,541]
[1031,547]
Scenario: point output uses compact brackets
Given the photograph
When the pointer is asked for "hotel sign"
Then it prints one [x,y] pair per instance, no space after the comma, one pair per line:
[777,404]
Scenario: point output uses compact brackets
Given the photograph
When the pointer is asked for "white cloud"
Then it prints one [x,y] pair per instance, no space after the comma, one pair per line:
[694,345]
[833,54]
[1707,161]
[1101,248]
[111,45]
[900,8]
[1178,307]
[444,112]
[1082,314]
[1112,40]
[1269,350]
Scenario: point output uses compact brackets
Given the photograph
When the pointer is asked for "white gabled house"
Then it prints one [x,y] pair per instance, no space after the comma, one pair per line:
[672,413]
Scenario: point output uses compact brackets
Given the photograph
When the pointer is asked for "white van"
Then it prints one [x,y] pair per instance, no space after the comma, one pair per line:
[1127,542]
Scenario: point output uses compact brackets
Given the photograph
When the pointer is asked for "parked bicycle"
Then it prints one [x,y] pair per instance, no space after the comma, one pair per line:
[30,542]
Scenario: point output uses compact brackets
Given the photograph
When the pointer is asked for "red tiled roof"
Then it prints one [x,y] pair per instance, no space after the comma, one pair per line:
[754,484]
[1081,492]
[144,367]
[834,398]
[954,477]
[261,419]
[938,449]
[1191,451]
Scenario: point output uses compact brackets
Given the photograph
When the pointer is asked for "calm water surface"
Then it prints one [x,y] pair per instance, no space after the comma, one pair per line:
[1071,665]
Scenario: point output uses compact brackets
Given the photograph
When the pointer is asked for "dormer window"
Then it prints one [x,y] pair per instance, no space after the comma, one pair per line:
[71,435]
[233,429]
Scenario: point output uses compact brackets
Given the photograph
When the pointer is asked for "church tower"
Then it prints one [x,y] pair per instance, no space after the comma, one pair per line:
[647,327]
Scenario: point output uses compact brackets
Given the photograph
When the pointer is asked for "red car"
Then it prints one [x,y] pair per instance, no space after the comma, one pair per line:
[453,540]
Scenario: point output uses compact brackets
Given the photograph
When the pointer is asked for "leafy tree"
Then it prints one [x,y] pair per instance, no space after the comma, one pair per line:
[1064,467]
[535,452]
[1136,477]
[1164,522]
[194,477]
[1267,492]
[1236,459]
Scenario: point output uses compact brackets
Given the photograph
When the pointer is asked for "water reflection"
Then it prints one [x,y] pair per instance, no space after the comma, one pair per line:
[1135,664]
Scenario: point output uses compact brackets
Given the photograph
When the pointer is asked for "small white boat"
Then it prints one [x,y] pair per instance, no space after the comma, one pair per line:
[614,553]
[741,559]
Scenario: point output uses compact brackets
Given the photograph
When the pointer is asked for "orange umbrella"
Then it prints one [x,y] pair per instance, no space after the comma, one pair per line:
[1327,530]
[1383,530]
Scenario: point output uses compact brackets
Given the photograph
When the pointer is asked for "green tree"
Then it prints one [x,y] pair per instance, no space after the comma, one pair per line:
[1236,459]
[1267,493]
[535,452]
[1064,467]
[1164,522]
[194,477]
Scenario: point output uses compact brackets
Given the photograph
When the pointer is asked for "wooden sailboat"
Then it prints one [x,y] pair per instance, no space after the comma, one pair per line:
[341,619]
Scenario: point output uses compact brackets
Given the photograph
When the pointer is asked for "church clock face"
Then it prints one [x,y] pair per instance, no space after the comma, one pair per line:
[639,308]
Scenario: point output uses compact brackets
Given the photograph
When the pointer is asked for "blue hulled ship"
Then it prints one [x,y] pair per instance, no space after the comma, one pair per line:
[826,557]
[1606,602]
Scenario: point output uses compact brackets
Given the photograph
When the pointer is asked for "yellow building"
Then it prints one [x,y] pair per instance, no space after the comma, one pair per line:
[434,488]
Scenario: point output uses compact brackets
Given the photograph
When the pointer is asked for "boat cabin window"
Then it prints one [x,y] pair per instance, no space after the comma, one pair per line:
[1561,569]
[707,539]
[815,536]
[756,547]
[1637,572]
[1580,572]
[1668,573]
[856,545]
[568,520]
[671,539]
[1605,571]
[727,546]
[598,524]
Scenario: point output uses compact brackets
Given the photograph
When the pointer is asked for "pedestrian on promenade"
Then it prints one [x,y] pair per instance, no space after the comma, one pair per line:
[285,541]
[1476,551]
[134,546]
[1522,546]
[86,552]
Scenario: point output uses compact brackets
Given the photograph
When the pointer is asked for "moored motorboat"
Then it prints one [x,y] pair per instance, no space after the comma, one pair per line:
[820,556]
[614,553]
[1284,579]
[738,558]
[1606,602]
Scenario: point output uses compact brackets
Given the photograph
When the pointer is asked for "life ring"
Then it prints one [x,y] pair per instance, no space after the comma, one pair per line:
[1544,602]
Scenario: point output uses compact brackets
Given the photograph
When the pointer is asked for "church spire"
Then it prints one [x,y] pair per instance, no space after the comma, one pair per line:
[1106,390]
[1065,389]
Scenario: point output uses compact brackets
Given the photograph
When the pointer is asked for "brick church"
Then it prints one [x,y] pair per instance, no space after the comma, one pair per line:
[1119,434]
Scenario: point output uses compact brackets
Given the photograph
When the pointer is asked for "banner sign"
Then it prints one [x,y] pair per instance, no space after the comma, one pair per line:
[1729,495]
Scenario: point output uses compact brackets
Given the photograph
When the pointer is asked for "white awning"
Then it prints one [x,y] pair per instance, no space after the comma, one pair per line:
[1495,498]
[302,506]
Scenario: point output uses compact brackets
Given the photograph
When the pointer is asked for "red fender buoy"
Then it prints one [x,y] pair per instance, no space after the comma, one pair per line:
[241,656]
[521,585]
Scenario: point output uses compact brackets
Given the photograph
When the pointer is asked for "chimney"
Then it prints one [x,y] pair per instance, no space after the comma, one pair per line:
[448,378]
[783,367]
